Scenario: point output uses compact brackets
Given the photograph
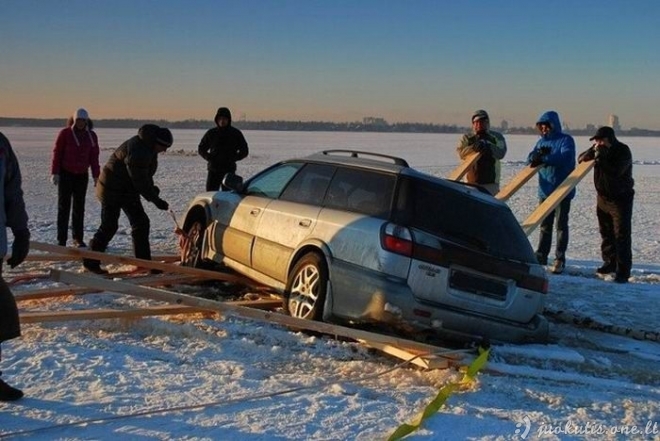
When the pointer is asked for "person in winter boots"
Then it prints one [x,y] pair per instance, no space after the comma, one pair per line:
[614,184]
[14,216]
[554,152]
[126,176]
[491,145]
[221,147]
[76,151]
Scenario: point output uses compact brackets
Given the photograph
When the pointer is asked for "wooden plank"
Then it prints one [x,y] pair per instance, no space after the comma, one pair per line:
[552,201]
[69,291]
[96,314]
[424,361]
[462,169]
[517,182]
[142,263]
[243,312]
[54,257]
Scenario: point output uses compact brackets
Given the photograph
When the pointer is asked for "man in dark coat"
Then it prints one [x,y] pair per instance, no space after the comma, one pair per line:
[126,176]
[14,216]
[222,146]
[614,187]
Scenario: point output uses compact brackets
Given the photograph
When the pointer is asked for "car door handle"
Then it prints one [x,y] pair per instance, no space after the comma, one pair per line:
[255,211]
[305,223]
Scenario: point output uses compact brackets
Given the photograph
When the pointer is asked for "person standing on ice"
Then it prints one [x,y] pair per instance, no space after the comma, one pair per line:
[221,147]
[126,176]
[614,184]
[14,216]
[554,153]
[76,151]
[492,146]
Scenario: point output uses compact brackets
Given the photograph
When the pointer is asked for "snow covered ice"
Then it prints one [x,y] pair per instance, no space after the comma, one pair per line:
[230,378]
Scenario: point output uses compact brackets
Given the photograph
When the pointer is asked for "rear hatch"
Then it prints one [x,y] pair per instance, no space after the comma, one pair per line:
[469,251]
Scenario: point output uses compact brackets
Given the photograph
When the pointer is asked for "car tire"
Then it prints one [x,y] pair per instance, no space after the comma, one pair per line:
[191,251]
[306,287]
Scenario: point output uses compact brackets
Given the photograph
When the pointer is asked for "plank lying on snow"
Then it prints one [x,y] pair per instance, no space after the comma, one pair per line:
[142,263]
[95,314]
[244,312]
[69,291]
[54,257]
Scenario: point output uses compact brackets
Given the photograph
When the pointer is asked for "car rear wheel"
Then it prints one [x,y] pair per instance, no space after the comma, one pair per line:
[306,288]
[191,249]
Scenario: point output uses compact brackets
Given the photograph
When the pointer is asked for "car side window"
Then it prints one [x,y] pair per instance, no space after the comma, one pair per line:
[309,185]
[271,182]
[361,191]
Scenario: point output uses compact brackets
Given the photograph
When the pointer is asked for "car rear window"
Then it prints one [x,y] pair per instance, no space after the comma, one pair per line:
[464,219]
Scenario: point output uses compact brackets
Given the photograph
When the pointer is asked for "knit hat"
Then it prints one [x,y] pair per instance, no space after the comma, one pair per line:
[80,114]
[164,137]
[603,133]
[479,115]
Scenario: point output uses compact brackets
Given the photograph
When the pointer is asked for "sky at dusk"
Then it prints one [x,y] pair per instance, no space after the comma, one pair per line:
[422,61]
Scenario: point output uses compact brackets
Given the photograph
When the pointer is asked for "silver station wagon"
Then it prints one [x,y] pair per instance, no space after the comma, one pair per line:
[363,239]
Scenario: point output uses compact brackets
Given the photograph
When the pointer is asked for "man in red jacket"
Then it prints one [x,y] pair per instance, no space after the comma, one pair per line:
[76,151]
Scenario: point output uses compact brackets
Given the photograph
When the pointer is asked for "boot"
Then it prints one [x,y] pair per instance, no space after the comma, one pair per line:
[607,268]
[558,266]
[8,393]
[93,265]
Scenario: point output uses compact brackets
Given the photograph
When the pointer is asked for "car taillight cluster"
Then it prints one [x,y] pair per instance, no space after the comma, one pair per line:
[396,239]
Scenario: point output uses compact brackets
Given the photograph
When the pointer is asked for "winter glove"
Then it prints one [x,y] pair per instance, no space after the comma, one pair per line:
[587,155]
[536,159]
[55,179]
[20,247]
[482,146]
[161,204]
[545,150]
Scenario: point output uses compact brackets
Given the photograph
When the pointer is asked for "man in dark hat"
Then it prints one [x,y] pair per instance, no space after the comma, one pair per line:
[492,146]
[126,176]
[222,146]
[14,216]
[614,187]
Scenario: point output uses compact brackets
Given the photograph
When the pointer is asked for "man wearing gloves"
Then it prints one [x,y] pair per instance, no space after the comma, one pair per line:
[76,151]
[554,152]
[614,204]
[222,146]
[492,146]
[14,216]
[126,176]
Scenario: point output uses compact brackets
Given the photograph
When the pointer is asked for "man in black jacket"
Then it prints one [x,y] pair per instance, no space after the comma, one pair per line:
[126,176]
[614,185]
[221,146]
[14,216]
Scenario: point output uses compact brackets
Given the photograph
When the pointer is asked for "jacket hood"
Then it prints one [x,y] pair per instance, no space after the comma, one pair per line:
[551,117]
[222,111]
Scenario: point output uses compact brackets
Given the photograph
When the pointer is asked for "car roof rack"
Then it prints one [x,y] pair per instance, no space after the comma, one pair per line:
[358,154]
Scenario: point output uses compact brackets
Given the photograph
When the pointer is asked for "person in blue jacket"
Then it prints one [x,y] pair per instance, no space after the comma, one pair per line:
[554,153]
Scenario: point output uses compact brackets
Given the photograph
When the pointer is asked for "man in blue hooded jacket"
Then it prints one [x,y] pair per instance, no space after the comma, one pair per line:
[554,153]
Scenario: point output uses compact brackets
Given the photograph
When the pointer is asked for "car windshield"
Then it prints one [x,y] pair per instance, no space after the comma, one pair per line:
[464,219]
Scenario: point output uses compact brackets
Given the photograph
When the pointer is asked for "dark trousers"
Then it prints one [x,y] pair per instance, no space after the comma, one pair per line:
[72,187]
[545,235]
[9,324]
[214,180]
[140,225]
[615,226]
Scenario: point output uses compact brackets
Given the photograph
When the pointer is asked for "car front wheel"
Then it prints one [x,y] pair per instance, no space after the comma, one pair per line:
[191,248]
[306,288]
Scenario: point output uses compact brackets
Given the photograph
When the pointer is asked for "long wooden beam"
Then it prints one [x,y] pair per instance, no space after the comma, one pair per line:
[552,201]
[462,169]
[126,260]
[69,291]
[52,257]
[517,182]
[241,311]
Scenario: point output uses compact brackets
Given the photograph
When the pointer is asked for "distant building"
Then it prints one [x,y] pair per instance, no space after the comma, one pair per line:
[373,121]
[614,122]
[504,125]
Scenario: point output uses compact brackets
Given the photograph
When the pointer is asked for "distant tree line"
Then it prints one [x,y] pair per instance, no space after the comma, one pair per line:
[367,125]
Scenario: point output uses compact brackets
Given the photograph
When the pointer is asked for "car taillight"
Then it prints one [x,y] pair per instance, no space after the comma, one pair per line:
[396,239]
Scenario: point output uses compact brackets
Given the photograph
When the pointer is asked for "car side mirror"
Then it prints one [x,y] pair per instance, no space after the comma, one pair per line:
[233,182]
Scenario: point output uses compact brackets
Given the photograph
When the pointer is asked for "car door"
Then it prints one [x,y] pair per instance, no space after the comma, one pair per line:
[238,221]
[289,220]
